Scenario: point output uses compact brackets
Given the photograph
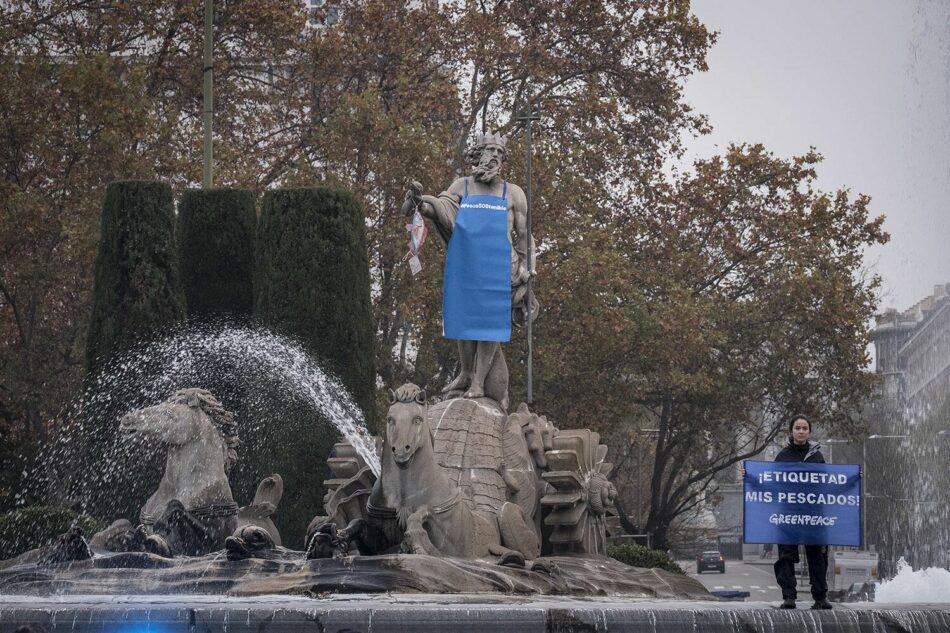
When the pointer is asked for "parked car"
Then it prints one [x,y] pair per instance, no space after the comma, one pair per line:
[711,560]
[861,592]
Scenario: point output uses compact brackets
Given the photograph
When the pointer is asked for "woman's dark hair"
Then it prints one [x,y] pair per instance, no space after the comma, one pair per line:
[795,418]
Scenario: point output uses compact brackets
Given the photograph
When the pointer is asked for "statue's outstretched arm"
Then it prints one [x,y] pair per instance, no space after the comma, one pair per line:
[442,210]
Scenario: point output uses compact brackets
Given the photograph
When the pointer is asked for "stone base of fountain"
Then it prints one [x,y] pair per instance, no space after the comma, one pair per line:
[284,571]
[378,594]
[384,613]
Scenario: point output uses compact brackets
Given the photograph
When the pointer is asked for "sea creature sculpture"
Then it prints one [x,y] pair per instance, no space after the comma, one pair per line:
[430,509]
[248,541]
[526,438]
[464,479]
[69,547]
[581,493]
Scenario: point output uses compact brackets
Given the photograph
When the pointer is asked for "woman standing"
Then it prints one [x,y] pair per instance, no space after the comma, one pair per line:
[801,449]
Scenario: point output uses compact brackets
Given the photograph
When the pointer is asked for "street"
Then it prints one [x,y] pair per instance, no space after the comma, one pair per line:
[756,578]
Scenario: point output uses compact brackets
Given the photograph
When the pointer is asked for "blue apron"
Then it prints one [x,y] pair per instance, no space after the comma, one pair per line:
[476,291]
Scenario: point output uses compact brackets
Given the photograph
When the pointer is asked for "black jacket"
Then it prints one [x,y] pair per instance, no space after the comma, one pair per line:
[810,452]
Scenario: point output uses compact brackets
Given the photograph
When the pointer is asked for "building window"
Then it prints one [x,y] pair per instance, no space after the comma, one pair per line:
[328,15]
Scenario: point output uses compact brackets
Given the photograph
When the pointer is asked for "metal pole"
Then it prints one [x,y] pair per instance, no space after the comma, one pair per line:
[639,486]
[528,117]
[528,296]
[207,71]
[867,492]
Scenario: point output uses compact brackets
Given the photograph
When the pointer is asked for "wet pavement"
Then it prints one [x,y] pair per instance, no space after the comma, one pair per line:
[756,578]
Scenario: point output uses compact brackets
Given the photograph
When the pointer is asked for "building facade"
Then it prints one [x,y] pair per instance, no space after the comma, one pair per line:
[913,351]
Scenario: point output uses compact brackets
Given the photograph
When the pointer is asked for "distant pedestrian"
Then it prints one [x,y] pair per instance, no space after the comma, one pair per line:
[801,449]
[767,550]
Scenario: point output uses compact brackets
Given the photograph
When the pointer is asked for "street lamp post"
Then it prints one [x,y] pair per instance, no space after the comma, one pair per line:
[831,448]
[207,110]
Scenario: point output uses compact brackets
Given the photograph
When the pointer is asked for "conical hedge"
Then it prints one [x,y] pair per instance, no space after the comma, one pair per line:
[137,291]
[216,245]
[312,282]
[137,297]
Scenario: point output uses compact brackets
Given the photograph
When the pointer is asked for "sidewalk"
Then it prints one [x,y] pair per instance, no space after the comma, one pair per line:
[769,562]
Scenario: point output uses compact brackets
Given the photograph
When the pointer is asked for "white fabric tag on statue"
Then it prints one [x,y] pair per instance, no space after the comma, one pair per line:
[415,265]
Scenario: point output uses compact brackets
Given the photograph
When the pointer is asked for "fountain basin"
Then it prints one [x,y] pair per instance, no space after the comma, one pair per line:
[284,571]
[383,613]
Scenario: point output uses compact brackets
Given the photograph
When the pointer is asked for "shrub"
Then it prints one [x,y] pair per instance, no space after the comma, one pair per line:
[640,556]
[312,283]
[35,526]
[216,246]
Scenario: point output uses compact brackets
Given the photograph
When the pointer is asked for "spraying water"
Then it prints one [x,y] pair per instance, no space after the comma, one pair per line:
[909,586]
[908,493]
[262,371]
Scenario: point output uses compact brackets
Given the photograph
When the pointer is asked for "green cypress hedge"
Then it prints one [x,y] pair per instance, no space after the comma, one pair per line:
[137,291]
[137,296]
[216,246]
[312,282]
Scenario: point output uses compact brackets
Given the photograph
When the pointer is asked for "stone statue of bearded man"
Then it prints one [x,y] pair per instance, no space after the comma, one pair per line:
[483,221]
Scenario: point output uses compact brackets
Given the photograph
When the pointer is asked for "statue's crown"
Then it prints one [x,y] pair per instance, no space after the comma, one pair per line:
[492,137]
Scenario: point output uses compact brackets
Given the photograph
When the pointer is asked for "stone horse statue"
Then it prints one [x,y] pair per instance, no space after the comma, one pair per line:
[415,497]
[193,510]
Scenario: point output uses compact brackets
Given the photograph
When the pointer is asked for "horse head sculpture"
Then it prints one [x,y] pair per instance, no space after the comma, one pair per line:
[406,429]
[193,508]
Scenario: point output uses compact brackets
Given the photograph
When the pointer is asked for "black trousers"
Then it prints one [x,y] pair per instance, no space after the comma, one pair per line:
[817,556]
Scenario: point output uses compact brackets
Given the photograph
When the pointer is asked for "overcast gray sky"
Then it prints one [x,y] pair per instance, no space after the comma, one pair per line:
[867,82]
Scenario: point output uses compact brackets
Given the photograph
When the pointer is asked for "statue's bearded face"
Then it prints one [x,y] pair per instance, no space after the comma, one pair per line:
[489,163]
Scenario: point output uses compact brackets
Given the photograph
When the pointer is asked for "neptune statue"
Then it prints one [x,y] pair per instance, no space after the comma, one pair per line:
[483,221]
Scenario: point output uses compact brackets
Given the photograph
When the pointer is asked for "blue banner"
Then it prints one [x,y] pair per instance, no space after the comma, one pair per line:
[796,503]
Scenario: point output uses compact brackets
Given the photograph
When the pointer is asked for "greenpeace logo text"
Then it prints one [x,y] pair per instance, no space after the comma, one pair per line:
[801,519]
